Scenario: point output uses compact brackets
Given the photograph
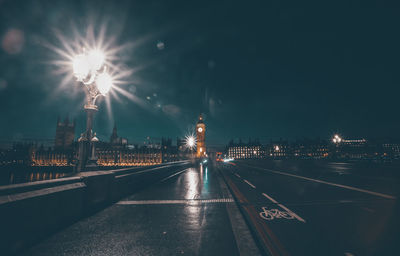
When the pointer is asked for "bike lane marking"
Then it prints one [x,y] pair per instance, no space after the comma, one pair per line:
[284,207]
[248,182]
[269,240]
[274,201]
[274,213]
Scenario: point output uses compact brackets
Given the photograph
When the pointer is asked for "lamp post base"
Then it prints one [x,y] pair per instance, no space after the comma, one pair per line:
[82,153]
[91,165]
[87,159]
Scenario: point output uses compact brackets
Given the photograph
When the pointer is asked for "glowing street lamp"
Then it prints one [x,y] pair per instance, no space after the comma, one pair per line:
[336,139]
[190,142]
[89,69]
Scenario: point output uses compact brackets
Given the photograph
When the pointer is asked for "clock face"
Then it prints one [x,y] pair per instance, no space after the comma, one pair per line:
[200,129]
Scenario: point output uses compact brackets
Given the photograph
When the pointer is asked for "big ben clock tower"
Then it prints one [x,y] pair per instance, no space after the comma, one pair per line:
[200,133]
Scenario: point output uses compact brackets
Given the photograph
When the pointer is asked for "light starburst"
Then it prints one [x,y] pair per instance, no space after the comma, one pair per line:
[190,141]
[74,54]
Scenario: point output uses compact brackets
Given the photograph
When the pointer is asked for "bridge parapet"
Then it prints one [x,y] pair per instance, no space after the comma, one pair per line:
[31,211]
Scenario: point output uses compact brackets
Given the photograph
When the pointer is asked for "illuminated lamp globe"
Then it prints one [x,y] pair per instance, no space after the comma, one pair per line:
[95,59]
[104,83]
[80,66]
[190,142]
[336,139]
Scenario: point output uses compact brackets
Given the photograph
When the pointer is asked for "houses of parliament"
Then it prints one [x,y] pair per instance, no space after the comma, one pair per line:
[115,152]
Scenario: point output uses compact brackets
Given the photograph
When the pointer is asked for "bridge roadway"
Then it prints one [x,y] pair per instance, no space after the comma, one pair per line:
[319,208]
[190,212]
[282,208]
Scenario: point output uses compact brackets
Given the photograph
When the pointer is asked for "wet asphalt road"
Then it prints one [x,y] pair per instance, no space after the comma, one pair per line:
[185,214]
[319,208]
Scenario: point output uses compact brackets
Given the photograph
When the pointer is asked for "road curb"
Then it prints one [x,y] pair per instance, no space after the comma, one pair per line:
[265,240]
[245,241]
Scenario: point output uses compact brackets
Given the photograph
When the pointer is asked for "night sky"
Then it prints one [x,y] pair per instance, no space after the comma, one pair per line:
[252,68]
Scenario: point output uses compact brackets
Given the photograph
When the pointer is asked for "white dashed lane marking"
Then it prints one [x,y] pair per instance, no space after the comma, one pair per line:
[328,183]
[248,182]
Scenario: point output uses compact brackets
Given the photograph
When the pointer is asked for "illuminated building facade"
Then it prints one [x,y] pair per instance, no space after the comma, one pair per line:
[107,156]
[352,149]
[116,152]
[391,150]
[169,152]
[19,154]
[360,149]
[279,149]
[241,150]
[315,149]
[51,157]
[129,157]
[200,134]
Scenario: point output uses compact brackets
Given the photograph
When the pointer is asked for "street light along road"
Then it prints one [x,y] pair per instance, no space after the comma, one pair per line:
[89,69]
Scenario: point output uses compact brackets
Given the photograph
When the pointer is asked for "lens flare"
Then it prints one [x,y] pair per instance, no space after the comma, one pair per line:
[82,54]
[190,141]
[95,59]
[337,139]
[80,66]
[104,83]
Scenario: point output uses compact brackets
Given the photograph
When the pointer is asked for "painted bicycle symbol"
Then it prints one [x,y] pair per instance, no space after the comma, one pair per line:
[275,213]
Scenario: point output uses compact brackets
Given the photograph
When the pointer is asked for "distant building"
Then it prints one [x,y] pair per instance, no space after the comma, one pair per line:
[65,134]
[353,149]
[391,150]
[354,143]
[169,152]
[52,157]
[118,153]
[116,141]
[108,156]
[114,153]
[201,134]
[279,149]
[184,152]
[19,154]
[245,150]
[180,143]
[315,149]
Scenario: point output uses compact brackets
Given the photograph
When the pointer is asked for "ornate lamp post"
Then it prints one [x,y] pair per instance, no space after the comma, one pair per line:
[89,70]
[336,140]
